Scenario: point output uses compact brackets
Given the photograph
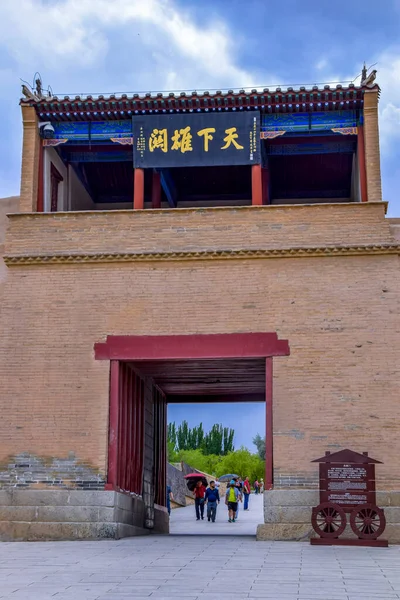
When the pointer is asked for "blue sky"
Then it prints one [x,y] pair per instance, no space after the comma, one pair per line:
[152,45]
[246,419]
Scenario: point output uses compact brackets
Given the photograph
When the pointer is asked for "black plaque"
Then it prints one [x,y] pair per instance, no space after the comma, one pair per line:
[190,140]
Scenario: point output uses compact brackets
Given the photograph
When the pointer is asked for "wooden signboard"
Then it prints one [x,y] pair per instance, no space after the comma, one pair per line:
[347,485]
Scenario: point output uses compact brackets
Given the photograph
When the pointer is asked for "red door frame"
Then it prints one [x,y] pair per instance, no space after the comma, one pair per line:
[189,347]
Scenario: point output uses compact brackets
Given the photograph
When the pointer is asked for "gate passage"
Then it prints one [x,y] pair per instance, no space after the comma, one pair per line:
[347,486]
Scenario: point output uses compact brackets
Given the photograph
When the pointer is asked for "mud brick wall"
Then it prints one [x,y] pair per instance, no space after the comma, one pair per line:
[338,388]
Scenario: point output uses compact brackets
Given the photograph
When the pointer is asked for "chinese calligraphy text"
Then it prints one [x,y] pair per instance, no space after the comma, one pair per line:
[196,140]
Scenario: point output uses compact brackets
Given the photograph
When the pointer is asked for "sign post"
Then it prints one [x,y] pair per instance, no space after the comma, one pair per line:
[347,486]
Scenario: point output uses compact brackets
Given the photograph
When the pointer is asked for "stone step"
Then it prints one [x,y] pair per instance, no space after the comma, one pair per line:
[54,531]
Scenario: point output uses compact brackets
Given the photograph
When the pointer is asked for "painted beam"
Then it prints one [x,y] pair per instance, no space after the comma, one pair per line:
[193,399]
[94,157]
[311,148]
[197,346]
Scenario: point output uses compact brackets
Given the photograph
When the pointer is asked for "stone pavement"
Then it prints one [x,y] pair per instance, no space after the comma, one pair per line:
[194,568]
[183,520]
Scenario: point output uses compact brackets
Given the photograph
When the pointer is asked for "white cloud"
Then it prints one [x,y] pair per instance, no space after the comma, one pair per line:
[388,77]
[321,64]
[81,34]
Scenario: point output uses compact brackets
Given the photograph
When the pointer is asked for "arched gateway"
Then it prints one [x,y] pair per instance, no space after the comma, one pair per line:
[157,238]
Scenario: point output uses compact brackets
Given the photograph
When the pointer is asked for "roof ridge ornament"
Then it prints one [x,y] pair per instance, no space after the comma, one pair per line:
[368,80]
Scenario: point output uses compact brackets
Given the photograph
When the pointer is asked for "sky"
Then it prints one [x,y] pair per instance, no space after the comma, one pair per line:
[103,46]
[89,46]
[247,419]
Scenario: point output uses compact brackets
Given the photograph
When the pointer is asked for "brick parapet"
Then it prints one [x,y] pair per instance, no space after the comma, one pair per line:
[198,230]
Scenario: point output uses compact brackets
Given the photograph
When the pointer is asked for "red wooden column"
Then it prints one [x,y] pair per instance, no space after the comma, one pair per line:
[156,190]
[265,185]
[113,427]
[256,185]
[138,189]
[40,196]
[269,458]
[361,163]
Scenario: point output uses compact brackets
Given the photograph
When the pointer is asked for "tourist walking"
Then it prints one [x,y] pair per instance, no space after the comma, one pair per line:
[261,486]
[231,500]
[246,493]
[239,486]
[199,493]
[169,498]
[256,486]
[212,499]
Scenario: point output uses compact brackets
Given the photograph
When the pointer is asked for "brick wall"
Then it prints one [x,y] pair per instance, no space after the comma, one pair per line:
[339,386]
[35,472]
[31,145]
[199,230]
[7,205]
[372,150]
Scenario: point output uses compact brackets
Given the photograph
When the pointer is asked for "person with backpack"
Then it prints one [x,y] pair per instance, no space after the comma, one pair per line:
[246,493]
[231,500]
[211,499]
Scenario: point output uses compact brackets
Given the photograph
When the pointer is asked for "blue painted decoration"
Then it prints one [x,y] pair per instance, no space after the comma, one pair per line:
[308,122]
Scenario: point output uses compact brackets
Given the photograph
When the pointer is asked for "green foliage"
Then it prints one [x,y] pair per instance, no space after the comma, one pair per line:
[213,452]
[259,443]
[198,460]
[171,443]
[219,440]
[243,463]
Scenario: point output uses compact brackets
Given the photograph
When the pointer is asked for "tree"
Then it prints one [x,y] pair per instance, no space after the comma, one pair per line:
[259,443]
[219,440]
[243,463]
[171,442]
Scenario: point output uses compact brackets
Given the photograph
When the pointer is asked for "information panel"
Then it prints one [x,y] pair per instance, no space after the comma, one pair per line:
[347,484]
[196,140]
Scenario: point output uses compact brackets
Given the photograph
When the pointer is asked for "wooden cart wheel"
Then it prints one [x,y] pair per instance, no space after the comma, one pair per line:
[368,521]
[328,520]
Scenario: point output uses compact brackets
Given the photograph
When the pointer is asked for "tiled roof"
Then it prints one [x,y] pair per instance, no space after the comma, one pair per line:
[278,100]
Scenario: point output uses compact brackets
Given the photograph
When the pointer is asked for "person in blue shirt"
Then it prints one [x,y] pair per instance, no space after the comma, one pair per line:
[169,498]
[212,499]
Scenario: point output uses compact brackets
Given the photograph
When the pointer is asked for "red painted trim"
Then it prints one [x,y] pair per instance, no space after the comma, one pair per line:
[256,185]
[265,186]
[156,190]
[361,164]
[55,179]
[113,427]
[192,398]
[40,194]
[138,189]
[269,429]
[174,347]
